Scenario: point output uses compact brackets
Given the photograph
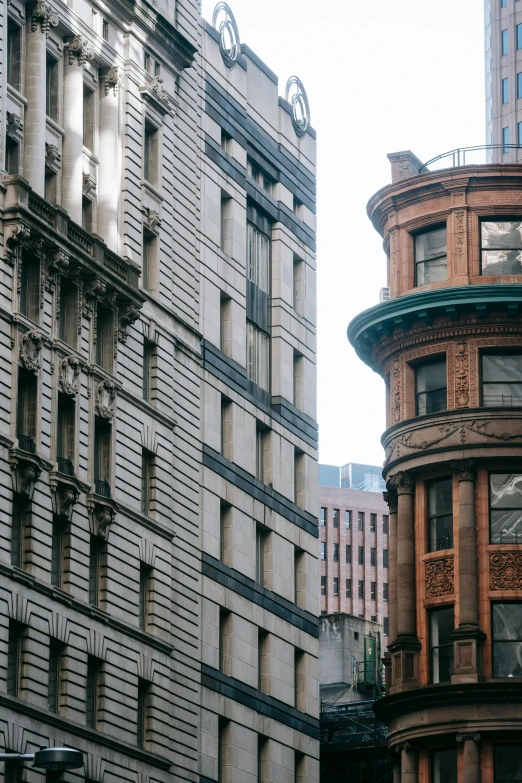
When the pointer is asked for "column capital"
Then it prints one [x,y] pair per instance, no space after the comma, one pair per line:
[112,80]
[390,497]
[465,469]
[42,13]
[463,737]
[82,48]
[403,483]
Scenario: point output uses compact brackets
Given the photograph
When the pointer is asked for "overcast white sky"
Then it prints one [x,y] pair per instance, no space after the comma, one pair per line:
[382,76]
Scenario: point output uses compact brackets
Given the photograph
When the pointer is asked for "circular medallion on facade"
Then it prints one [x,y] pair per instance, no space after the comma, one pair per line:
[296,96]
[224,22]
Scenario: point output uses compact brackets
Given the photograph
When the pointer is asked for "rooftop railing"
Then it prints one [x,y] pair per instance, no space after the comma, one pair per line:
[479,155]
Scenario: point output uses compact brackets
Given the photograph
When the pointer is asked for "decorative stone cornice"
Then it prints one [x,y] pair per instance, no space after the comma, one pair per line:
[402,482]
[154,92]
[44,15]
[111,80]
[79,47]
[465,469]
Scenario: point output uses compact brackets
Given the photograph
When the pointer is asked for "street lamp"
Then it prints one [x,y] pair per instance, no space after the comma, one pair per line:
[49,758]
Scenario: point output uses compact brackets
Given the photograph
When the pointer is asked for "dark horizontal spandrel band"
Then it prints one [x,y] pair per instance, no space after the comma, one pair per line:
[242,585]
[247,483]
[258,701]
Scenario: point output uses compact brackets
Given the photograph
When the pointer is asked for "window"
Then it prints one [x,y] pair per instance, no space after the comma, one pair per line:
[441,645]
[51,89]
[68,322]
[30,287]
[501,247]
[150,153]
[373,591]
[263,670]
[519,36]
[373,523]
[323,517]
[147,481]
[508,763]
[19,524]
[505,90]
[149,278]
[223,741]
[262,754]
[348,519]
[12,156]
[373,556]
[56,649]
[261,542]
[298,380]
[300,476]
[26,414]
[258,257]
[226,142]
[361,588]
[503,3]
[386,626]
[105,339]
[348,588]
[444,766]
[336,553]
[501,380]
[507,639]
[226,427]
[299,767]
[519,134]
[373,618]
[224,621]
[505,140]
[261,443]
[385,558]
[14,658]
[440,515]
[88,119]
[298,285]
[97,552]
[92,691]
[225,324]
[299,576]
[504,42]
[431,257]
[14,50]
[385,591]
[323,585]
[336,517]
[226,224]
[105,30]
[65,431]
[149,356]
[102,457]
[348,553]
[336,585]
[258,356]
[519,85]
[360,558]
[59,534]
[356,635]
[323,550]
[144,694]
[297,207]
[430,387]
[87,223]
[225,511]
[385,524]
[360,520]
[505,507]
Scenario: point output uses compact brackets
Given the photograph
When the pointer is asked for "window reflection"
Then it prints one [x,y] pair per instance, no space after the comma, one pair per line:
[441,645]
[501,380]
[430,257]
[444,766]
[507,641]
[430,387]
[505,498]
[440,515]
[508,764]
[501,247]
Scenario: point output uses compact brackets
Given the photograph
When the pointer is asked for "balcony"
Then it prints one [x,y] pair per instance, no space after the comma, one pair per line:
[65,466]
[102,488]
[26,443]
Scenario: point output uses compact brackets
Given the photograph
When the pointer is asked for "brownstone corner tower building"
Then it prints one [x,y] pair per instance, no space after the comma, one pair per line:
[448,345]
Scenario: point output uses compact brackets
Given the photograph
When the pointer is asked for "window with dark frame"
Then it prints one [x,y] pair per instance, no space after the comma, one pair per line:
[501,242]
[373,591]
[19,524]
[97,556]
[505,90]
[505,149]
[30,284]
[224,620]
[336,553]
[65,433]
[518,35]
[149,361]
[26,412]
[348,519]
[431,387]
[56,650]
[348,553]
[385,558]
[102,456]
[504,42]
[507,763]
[143,706]
[431,256]
[386,626]
[336,517]
[59,535]
[262,433]
[263,669]
[262,535]
[444,766]
[441,625]
[440,514]
[323,585]
[88,119]
[373,556]
[505,508]
[51,88]
[223,731]
[149,260]
[322,517]
[360,520]
[360,555]
[258,258]
[68,321]
[225,509]
[150,153]
[323,550]
[336,585]
[258,356]
[147,480]
[14,657]
[501,380]
[385,591]
[348,588]
[361,588]
[14,54]
[373,523]
[12,156]
[92,691]
[385,524]
[506,621]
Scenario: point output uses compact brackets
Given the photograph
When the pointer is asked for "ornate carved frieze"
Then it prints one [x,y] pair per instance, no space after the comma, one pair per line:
[459,236]
[44,16]
[461,375]
[130,315]
[81,48]
[53,158]
[396,390]
[439,577]
[89,187]
[402,483]
[111,80]
[14,126]
[30,348]
[17,236]
[505,571]
[465,469]
[159,97]
[104,399]
[68,381]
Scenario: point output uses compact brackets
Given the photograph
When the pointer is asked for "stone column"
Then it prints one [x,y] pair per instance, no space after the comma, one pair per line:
[408,764]
[109,186]
[35,91]
[77,51]
[470,757]
[391,499]
[405,573]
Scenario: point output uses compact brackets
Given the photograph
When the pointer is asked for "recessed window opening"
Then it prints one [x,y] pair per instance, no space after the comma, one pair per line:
[441,644]
[505,508]
[502,380]
[501,246]
[431,256]
[431,387]
[440,515]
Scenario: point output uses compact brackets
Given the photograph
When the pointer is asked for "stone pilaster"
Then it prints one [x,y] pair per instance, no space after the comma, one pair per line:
[471,772]
[109,156]
[409,764]
[391,499]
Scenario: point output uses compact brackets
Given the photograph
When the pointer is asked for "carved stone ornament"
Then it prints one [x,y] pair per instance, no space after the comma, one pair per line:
[27,476]
[402,482]
[59,263]
[14,126]
[103,514]
[390,498]
[104,399]
[152,220]
[43,14]
[475,737]
[30,349]
[465,469]
[505,571]
[461,376]
[93,292]
[111,80]
[17,236]
[81,48]
[396,391]
[89,187]
[69,375]
[64,496]
[53,159]
[129,316]
[155,92]
[439,577]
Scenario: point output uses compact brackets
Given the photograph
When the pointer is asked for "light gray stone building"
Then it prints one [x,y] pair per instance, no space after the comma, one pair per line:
[158,489]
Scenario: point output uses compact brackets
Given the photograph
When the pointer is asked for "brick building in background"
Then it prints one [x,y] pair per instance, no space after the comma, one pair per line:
[354,552]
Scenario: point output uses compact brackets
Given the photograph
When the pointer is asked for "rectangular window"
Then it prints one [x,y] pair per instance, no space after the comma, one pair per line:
[501,380]
[14,55]
[258,258]
[30,287]
[441,645]
[323,550]
[19,524]
[226,142]
[386,626]
[88,119]
[298,285]
[360,520]
[444,766]
[262,754]
[299,576]
[431,257]
[385,558]
[60,530]
[348,553]
[261,442]
[97,552]
[298,380]
[336,553]
[440,515]
[505,140]
[519,134]
[26,412]
[92,691]
[223,743]
[385,524]
[360,558]
[373,556]
[323,585]
[430,387]
[258,356]
[501,247]
[150,153]
[149,275]
[225,324]
[51,89]
[12,156]
[102,457]
[87,224]
[373,523]
[263,669]
[505,508]
[144,693]
[508,763]
[385,591]
[147,481]
[227,224]
[373,591]
[65,434]
[361,588]
[224,655]
[14,658]
[505,90]
[507,639]
[336,586]
[504,42]
[68,322]
[225,510]
[149,356]
[348,588]
[300,476]
[348,519]
[323,517]
[519,36]
[105,339]
[56,649]
[105,30]
[503,3]
[336,517]
[261,542]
